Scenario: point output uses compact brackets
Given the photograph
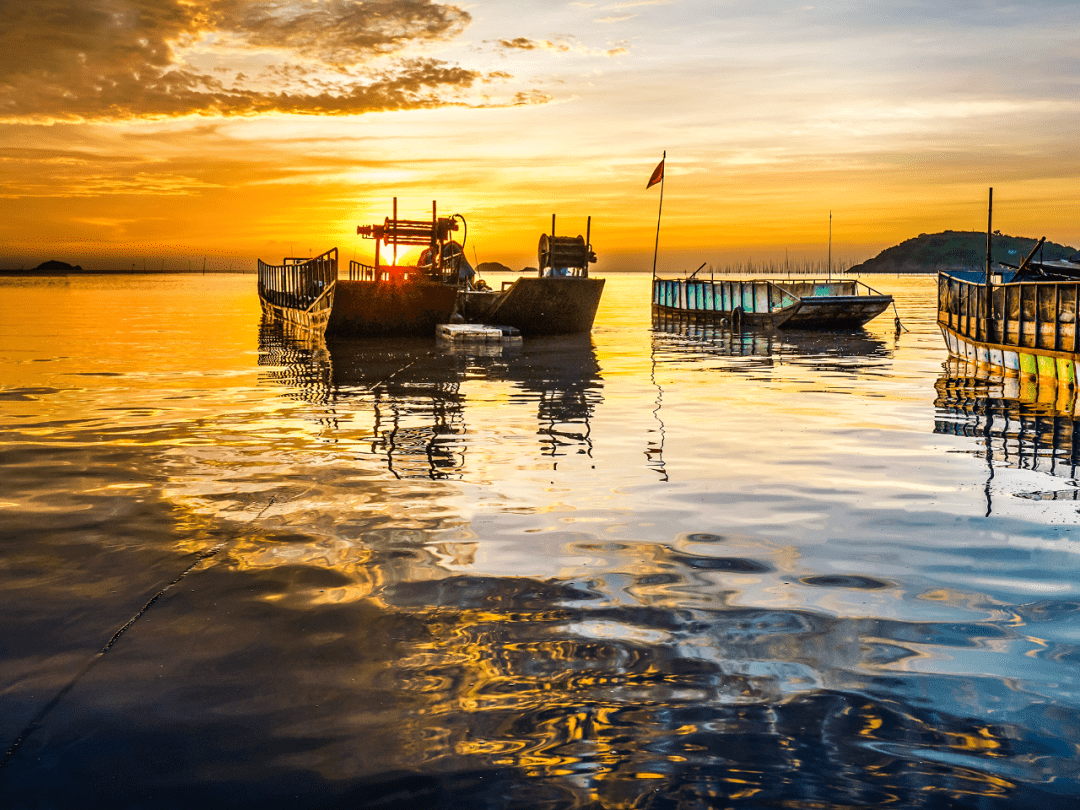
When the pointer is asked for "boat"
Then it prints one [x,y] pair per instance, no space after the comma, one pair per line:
[376,299]
[1018,321]
[299,291]
[561,299]
[770,303]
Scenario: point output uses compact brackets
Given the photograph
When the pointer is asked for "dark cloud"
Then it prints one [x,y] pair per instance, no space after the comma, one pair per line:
[339,32]
[119,59]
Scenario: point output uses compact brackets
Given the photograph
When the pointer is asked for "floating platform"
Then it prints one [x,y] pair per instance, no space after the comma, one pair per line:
[469,334]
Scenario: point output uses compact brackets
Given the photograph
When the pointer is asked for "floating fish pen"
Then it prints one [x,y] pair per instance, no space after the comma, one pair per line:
[299,292]
[770,303]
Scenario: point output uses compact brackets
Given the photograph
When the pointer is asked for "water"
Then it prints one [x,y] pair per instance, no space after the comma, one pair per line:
[662,567]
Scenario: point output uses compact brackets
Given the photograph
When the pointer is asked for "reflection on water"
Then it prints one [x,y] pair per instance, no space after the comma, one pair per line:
[849,348]
[1017,423]
[240,568]
[418,413]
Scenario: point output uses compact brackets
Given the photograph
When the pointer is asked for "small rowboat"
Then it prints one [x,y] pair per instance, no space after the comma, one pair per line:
[771,303]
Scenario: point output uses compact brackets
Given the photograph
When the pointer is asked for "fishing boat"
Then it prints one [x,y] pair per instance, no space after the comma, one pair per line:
[376,299]
[561,299]
[299,291]
[1019,322]
[770,303]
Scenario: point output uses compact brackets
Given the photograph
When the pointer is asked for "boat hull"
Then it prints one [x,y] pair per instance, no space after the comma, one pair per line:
[364,308]
[299,293]
[737,318]
[1025,329]
[836,311]
[770,303]
[537,306]
[311,319]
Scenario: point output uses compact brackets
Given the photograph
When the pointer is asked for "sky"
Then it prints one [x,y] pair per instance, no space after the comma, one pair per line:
[166,133]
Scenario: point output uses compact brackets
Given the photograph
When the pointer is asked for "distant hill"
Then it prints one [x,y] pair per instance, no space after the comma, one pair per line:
[492,267]
[956,250]
[53,266]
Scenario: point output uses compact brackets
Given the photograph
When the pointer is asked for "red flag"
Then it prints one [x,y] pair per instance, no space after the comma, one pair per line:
[657,175]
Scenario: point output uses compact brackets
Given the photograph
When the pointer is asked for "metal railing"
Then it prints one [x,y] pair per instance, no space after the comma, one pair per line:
[1026,314]
[298,283]
[358,271]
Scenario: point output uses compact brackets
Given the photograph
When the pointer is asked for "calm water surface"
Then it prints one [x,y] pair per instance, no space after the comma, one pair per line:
[661,566]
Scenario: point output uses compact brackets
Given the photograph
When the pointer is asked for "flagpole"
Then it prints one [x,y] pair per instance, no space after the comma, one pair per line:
[656,247]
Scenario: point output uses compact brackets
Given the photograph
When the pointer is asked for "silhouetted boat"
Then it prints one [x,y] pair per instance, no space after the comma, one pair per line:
[299,292]
[376,299]
[771,303]
[560,300]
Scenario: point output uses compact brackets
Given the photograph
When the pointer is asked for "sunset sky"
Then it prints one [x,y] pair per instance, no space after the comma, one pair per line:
[163,131]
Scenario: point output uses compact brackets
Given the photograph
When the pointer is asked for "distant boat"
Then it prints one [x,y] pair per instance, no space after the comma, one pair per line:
[377,299]
[771,303]
[560,300]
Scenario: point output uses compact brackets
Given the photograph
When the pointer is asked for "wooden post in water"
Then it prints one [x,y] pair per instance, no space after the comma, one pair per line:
[830,246]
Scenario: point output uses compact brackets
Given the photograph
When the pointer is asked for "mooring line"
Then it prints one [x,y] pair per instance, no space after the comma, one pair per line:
[39,718]
[393,374]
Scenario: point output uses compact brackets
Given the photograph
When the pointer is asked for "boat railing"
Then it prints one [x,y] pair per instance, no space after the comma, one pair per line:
[1026,314]
[759,296]
[388,273]
[361,272]
[821,286]
[297,283]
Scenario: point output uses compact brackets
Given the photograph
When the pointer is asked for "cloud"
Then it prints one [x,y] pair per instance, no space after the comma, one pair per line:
[526,44]
[559,45]
[122,59]
[635,3]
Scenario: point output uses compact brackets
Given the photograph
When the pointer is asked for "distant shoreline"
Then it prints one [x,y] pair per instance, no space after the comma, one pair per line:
[63,273]
[60,273]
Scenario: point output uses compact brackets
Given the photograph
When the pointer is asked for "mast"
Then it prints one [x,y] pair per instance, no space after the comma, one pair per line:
[989,291]
[830,246]
[660,211]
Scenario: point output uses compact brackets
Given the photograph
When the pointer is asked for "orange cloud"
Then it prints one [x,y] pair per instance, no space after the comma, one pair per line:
[98,60]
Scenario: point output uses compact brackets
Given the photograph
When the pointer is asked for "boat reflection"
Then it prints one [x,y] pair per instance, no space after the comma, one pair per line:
[413,388]
[1030,426]
[683,338]
[1021,424]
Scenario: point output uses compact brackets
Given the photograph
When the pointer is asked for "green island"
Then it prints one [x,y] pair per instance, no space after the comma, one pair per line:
[958,250]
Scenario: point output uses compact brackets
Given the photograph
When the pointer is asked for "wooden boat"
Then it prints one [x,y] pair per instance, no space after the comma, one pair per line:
[1020,322]
[1024,327]
[560,300]
[771,303]
[377,299]
[299,292]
